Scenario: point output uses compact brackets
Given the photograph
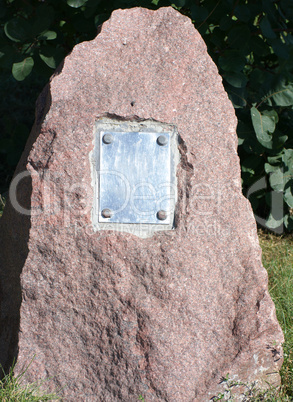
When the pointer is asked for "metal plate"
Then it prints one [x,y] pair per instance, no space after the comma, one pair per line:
[135,177]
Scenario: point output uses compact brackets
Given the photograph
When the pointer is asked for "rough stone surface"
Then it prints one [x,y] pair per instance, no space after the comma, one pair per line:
[110,316]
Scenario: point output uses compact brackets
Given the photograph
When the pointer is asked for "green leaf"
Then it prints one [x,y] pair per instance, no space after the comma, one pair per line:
[288,196]
[51,56]
[287,7]
[275,201]
[218,38]
[179,3]
[259,46]
[288,220]
[226,23]
[264,125]
[99,19]
[243,131]
[76,3]
[242,12]
[237,96]
[21,70]
[239,36]
[277,159]
[280,49]
[49,60]
[282,93]
[43,19]
[232,61]
[274,222]
[288,156]
[251,164]
[277,181]
[266,28]
[198,14]
[287,159]
[272,114]
[17,29]
[269,9]
[92,7]
[48,35]
[270,169]
[237,80]
[249,170]
[279,139]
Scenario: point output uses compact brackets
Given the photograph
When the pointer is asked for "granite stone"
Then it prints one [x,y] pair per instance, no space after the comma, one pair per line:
[109,315]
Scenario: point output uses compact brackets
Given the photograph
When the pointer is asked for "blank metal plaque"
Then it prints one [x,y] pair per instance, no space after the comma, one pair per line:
[134,170]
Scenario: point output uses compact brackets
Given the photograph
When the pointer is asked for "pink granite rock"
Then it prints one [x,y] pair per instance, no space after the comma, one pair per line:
[109,315]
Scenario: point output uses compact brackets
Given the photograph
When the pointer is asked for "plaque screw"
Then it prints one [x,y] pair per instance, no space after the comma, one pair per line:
[108,139]
[107,213]
[162,215]
[162,140]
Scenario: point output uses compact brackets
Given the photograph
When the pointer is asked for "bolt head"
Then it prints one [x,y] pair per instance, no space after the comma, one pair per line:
[162,215]
[107,213]
[107,138]
[162,140]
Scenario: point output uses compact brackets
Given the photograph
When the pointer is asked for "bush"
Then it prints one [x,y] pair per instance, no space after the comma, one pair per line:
[250,41]
[252,45]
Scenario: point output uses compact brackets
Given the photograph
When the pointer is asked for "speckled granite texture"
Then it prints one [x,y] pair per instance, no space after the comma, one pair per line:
[110,316]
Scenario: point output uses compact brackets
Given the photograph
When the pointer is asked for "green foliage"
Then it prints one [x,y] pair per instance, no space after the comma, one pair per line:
[13,389]
[252,45]
[251,42]
[21,70]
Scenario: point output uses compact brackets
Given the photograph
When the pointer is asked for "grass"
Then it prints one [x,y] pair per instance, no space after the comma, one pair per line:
[2,204]
[277,256]
[278,260]
[251,393]
[13,389]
